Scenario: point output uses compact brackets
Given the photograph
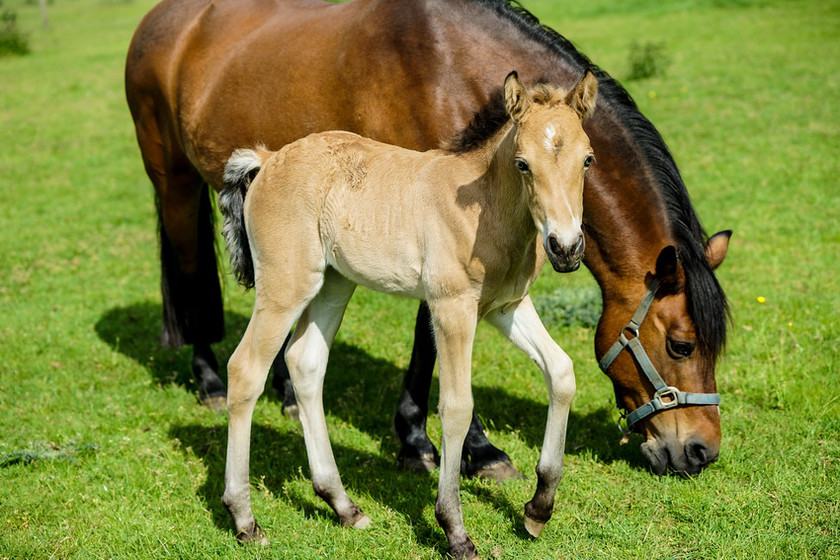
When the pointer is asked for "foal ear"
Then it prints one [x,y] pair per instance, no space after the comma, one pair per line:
[581,98]
[716,247]
[515,100]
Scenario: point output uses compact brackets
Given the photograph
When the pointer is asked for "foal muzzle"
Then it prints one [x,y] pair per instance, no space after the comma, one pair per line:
[564,258]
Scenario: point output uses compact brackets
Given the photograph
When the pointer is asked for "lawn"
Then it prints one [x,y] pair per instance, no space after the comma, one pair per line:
[105,452]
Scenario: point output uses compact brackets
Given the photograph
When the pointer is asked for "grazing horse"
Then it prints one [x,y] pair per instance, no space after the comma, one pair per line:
[458,228]
[205,77]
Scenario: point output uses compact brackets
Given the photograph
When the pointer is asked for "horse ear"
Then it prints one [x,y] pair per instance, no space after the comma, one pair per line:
[515,100]
[581,98]
[668,268]
[716,248]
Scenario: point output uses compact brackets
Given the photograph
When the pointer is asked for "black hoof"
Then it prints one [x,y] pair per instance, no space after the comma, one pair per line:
[498,472]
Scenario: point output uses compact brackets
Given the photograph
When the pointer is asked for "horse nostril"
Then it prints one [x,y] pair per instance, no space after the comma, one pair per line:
[698,454]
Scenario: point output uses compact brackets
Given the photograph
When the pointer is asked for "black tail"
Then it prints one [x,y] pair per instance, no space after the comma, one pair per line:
[240,170]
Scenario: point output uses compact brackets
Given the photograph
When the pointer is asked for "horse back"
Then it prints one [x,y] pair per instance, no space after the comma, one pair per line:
[219,75]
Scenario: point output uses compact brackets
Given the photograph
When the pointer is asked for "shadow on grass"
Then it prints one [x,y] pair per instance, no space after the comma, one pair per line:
[361,389]
[276,458]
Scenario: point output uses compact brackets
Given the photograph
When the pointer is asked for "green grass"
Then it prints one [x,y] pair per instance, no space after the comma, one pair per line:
[104,452]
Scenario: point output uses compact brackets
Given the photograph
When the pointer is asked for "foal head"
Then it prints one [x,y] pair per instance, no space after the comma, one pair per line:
[552,154]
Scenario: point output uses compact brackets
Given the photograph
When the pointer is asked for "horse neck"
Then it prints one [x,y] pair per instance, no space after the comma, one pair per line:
[626,218]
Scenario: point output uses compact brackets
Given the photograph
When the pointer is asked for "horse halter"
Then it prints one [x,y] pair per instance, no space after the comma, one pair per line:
[666,397]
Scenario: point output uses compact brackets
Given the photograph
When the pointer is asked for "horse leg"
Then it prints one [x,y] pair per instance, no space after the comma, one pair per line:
[454,321]
[307,358]
[480,458]
[281,382]
[417,452]
[191,280]
[275,310]
[192,297]
[523,327]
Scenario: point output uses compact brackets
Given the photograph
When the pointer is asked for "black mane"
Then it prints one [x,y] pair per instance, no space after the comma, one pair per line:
[484,124]
[706,301]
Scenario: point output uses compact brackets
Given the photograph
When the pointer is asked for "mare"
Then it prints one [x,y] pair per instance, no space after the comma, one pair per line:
[205,77]
[462,229]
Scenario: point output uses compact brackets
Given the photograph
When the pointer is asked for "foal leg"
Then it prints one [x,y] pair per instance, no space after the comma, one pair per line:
[307,357]
[523,327]
[480,458]
[454,322]
[275,310]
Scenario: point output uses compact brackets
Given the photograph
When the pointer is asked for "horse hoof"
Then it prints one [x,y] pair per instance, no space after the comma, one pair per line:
[423,464]
[253,534]
[292,412]
[217,404]
[362,523]
[499,472]
[533,526]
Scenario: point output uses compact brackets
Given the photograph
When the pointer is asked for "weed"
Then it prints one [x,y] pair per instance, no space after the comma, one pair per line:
[647,60]
[12,40]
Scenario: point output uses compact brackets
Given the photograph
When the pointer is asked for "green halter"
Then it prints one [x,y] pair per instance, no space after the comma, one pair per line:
[666,396]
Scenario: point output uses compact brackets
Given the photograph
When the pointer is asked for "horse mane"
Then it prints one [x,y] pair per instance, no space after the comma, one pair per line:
[493,116]
[705,299]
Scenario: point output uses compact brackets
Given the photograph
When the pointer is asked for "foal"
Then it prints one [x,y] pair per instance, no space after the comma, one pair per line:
[456,227]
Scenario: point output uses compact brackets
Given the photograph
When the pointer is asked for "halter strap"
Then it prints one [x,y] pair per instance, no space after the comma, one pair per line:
[666,396]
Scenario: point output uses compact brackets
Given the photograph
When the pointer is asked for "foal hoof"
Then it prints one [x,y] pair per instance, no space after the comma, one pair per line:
[533,526]
[217,404]
[423,464]
[253,534]
[499,472]
[356,519]
[464,551]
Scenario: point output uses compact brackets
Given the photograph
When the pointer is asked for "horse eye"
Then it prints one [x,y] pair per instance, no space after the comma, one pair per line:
[522,165]
[680,349]
[590,159]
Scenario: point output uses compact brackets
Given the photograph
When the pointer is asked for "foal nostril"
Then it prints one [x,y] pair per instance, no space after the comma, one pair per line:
[579,246]
[553,246]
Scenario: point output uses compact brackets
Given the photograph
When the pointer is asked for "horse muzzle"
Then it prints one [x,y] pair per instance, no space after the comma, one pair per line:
[682,458]
[564,257]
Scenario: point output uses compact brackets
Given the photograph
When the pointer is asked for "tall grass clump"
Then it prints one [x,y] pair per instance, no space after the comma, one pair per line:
[12,40]
[647,60]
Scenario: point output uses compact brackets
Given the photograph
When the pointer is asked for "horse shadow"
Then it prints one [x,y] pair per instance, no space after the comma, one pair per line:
[276,458]
[364,395]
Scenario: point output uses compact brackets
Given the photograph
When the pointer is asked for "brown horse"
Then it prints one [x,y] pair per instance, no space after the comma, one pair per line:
[459,228]
[205,77]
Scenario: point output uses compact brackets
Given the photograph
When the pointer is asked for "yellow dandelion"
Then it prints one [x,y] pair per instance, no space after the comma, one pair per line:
[790,323]
[652,94]
[761,299]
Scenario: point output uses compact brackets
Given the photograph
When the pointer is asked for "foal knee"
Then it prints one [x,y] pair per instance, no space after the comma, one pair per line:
[561,379]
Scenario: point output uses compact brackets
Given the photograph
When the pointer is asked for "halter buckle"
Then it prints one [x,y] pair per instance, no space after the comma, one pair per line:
[666,398]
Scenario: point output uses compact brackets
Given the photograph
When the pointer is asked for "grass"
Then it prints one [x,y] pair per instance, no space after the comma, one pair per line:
[104,452]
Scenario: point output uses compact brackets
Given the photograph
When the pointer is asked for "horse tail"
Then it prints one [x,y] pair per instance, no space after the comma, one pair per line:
[240,170]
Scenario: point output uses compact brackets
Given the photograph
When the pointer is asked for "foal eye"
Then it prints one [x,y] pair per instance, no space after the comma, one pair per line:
[680,349]
[521,165]
[590,159]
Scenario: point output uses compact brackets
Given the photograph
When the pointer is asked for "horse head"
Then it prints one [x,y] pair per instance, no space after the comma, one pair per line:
[662,365]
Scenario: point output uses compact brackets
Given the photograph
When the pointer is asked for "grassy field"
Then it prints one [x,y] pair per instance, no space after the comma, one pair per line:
[105,453]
